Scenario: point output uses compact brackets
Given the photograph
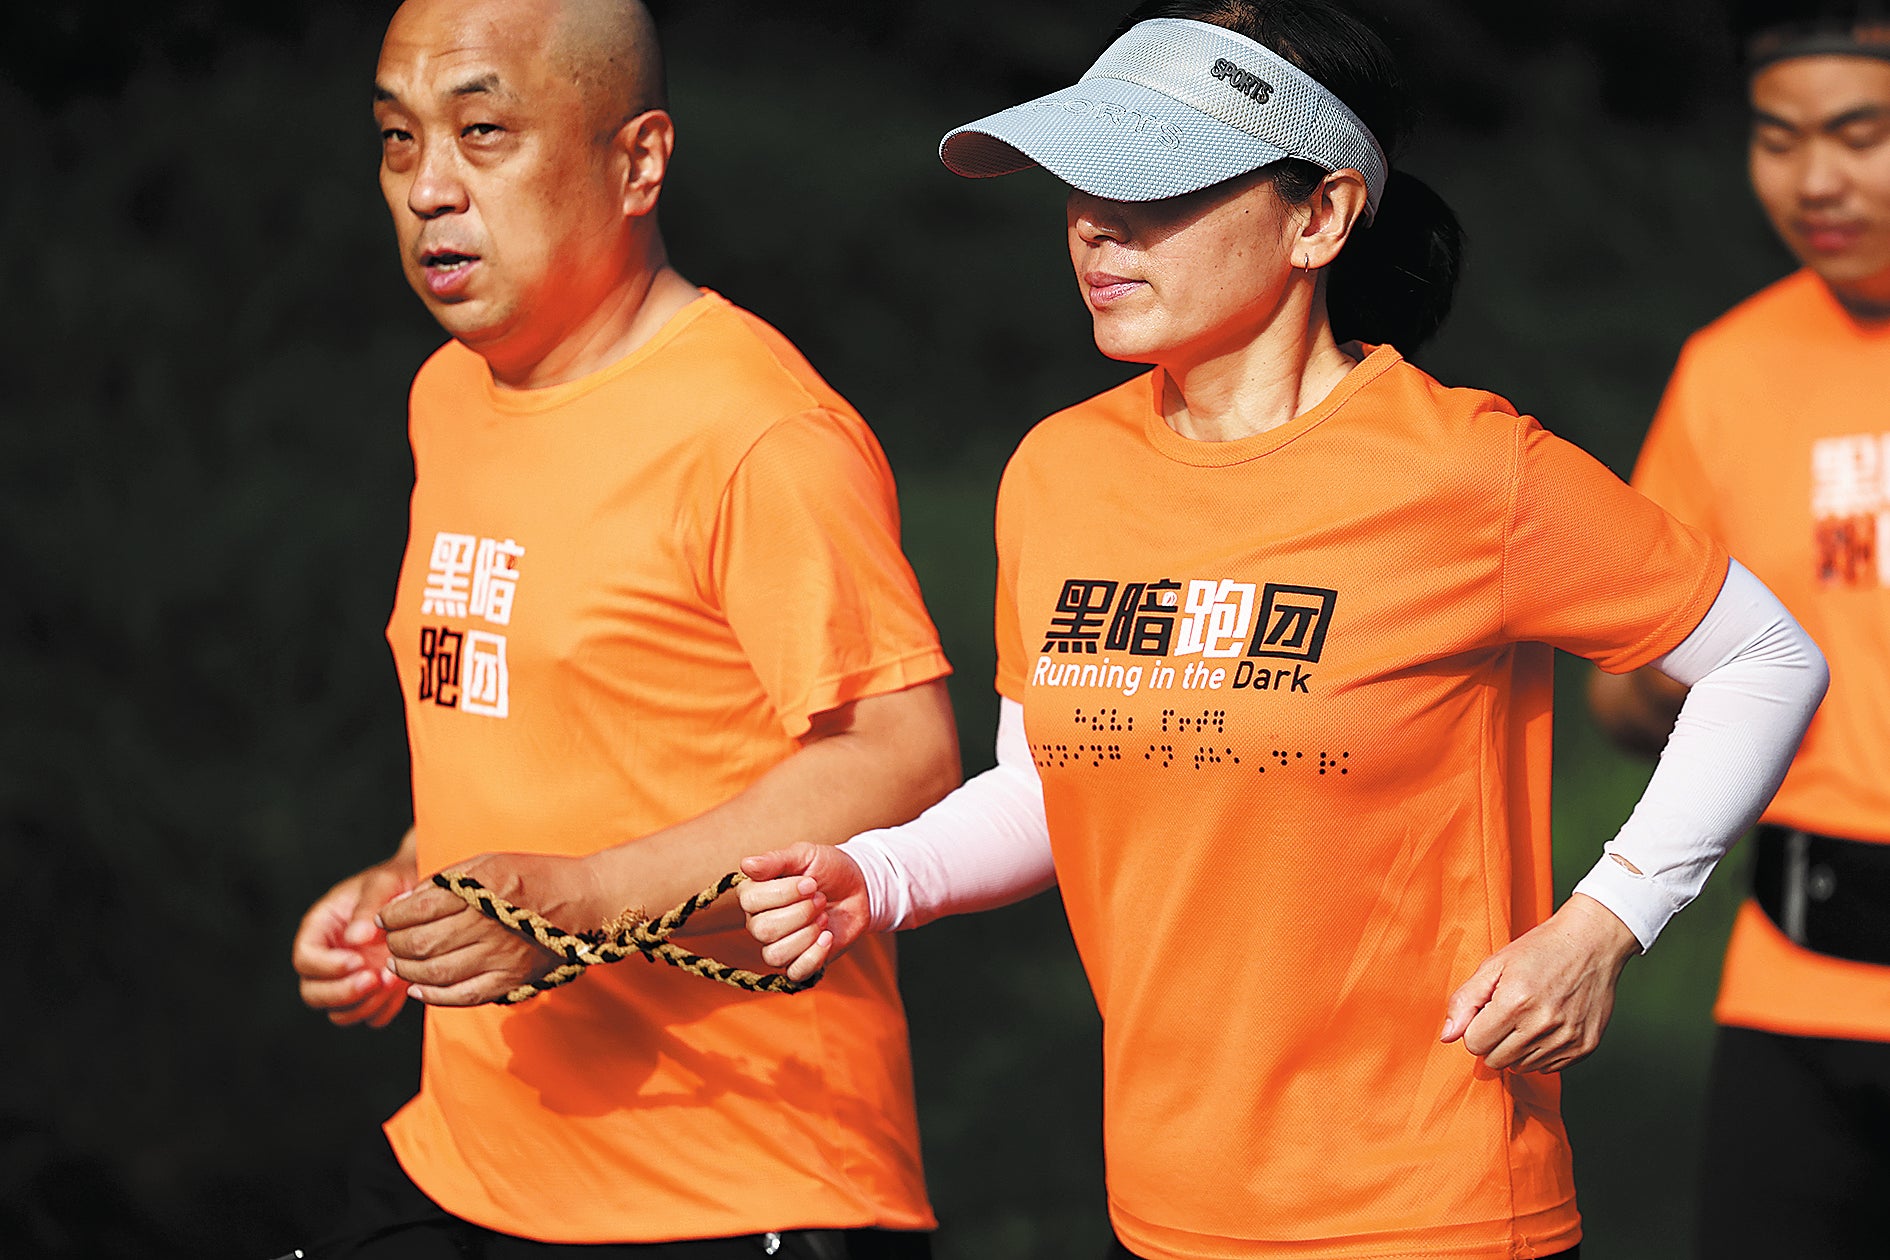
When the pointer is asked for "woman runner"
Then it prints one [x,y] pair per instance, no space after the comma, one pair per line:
[1275,626]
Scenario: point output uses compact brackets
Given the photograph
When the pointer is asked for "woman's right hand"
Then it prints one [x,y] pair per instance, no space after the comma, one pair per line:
[805,905]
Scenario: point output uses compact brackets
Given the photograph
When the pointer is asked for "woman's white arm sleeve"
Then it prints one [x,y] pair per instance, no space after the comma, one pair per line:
[1755,679]
[985,845]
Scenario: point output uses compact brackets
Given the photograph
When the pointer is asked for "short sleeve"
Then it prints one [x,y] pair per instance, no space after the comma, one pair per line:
[1596,568]
[1669,470]
[807,567]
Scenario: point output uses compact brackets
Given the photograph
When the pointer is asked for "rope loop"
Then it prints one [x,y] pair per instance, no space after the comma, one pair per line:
[629,935]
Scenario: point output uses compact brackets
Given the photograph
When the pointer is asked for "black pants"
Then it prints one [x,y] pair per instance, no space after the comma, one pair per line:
[1797,1149]
[1120,1252]
[388,1218]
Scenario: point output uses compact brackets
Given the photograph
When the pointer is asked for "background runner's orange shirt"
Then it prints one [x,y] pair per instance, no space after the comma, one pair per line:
[1774,437]
[1290,699]
[623,598]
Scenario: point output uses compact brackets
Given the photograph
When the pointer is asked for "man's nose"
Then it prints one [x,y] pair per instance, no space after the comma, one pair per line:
[437,188]
[1821,174]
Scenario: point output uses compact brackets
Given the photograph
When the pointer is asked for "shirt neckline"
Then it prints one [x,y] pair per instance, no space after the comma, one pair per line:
[1865,330]
[524,402]
[1202,454]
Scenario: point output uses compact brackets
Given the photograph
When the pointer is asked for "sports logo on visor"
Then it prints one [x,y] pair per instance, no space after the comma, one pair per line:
[1246,82]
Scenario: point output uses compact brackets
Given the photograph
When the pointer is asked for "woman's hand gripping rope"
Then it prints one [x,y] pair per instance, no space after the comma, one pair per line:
[805,904]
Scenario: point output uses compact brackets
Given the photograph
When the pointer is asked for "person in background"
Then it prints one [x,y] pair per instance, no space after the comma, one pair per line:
[1275,629]
[653,605]
[1774,437]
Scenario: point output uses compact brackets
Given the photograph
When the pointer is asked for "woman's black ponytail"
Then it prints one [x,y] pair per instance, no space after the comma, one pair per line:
[1396,277]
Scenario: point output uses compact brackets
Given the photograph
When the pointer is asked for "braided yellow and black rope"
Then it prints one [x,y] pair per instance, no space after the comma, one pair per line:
[628,935]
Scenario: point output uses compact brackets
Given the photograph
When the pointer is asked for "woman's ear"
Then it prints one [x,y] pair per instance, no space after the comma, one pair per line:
[1333,210]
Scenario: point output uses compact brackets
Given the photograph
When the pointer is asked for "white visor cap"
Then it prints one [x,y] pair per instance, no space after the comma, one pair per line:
[1171,107]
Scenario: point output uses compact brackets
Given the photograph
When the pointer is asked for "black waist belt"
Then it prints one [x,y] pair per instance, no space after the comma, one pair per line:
[1825,893]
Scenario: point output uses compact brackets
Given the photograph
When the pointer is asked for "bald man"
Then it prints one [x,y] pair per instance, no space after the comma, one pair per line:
[653,611]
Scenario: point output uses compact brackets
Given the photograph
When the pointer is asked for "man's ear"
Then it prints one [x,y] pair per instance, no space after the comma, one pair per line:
[644,143]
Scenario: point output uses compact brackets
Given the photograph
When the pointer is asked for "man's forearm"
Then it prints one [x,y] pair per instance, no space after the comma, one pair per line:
[880,761]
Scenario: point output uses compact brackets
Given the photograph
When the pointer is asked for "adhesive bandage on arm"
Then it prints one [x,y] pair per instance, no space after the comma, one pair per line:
[985,845]
[1755,679]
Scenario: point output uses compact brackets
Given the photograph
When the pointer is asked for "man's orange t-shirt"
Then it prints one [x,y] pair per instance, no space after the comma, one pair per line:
[1774,437]
[623,600]
[1290,699]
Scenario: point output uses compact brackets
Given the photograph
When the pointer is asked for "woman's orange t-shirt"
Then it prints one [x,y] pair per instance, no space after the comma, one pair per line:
[1774,437]
[623,600]
[1290,700]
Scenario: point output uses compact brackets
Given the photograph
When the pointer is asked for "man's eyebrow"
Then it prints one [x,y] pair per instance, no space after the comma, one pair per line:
[1871,112]
[384,95]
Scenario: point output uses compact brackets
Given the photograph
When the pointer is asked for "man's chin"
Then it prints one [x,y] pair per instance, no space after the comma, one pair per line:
[466,319]
[1856,283]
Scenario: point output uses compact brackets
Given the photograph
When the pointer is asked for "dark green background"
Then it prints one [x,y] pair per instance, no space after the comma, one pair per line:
[203,473]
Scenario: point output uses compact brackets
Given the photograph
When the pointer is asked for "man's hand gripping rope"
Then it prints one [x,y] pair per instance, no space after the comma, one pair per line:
[626,936]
